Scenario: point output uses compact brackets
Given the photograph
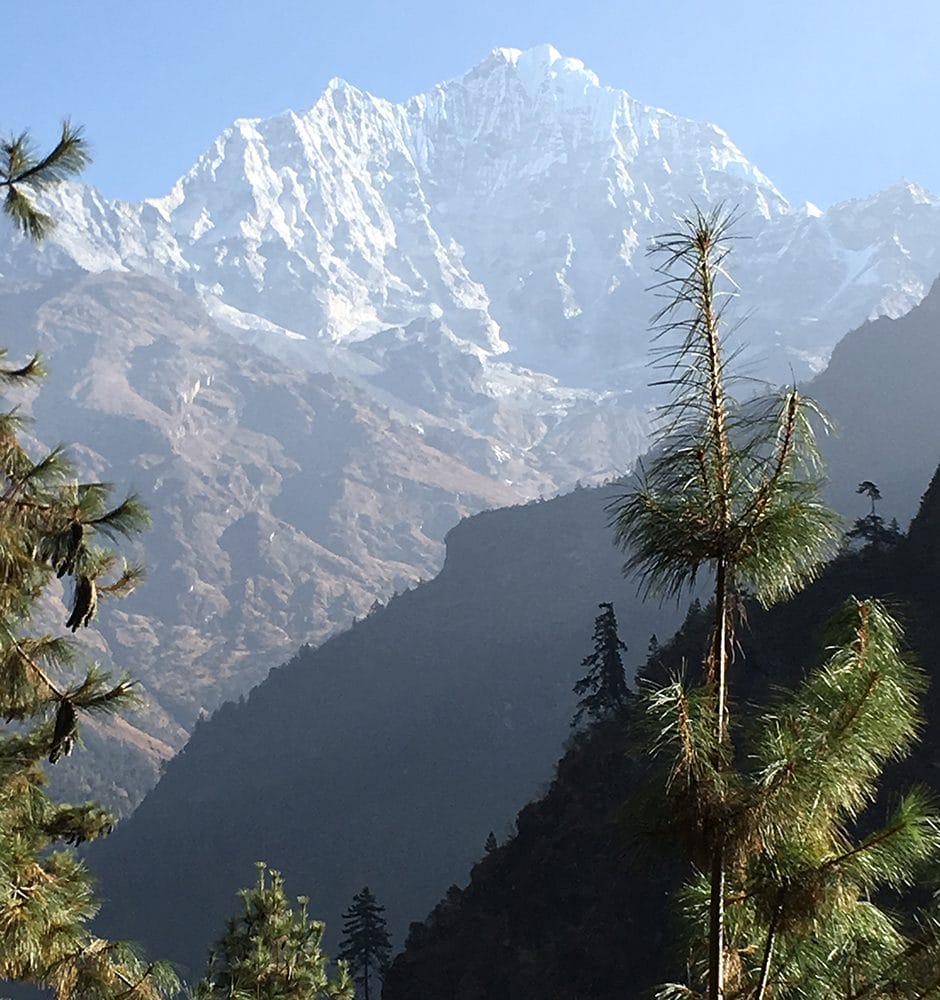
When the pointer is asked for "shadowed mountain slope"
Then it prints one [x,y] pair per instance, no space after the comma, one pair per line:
[882,390]
[385,756]
[576,905]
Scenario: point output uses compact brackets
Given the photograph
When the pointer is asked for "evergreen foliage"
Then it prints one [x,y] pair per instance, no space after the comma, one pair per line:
[23,174]
[51,527]
[871,528]
[603,689]
[802,885]
[365,945]
[734,489]
[272,951]
[490,844]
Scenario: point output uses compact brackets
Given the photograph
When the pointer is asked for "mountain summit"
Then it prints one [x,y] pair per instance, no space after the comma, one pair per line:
[440,305]
[512,206]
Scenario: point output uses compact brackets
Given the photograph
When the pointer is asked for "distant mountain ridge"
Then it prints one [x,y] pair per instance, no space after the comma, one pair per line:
[387,754]
[409,312]
[514,206]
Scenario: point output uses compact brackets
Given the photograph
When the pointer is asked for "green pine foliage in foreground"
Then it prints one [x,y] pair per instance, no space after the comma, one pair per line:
[783,897]
[272,951]
[733,490]
[803,887]
[54,528]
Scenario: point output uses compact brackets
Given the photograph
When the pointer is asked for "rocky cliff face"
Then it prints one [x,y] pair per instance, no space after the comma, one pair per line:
[283,501]
[346,328]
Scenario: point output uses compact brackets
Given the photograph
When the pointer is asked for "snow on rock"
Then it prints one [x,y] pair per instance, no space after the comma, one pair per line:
[509,209]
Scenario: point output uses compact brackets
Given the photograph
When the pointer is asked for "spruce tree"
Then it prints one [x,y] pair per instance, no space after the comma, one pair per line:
[51,528]
[871,528]
[365,945]
[272,951]
[603,689]
[733,491]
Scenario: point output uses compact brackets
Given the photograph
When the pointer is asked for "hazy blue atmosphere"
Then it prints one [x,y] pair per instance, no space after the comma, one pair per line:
[396,395]
[831,100]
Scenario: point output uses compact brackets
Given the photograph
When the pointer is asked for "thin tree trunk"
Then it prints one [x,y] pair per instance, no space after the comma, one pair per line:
[719,654]
[716,906]
[768,955]
[716,926]
[721,454]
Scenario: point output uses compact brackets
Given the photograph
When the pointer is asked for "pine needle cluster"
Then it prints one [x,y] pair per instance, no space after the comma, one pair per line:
[734,486]
[24,173]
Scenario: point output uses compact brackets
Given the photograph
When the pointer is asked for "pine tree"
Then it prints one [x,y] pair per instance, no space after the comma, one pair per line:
[603,690]
[365,945]
[490,844]
[734,490]
[802,884]
[51,527]
[272,951]
[871,528]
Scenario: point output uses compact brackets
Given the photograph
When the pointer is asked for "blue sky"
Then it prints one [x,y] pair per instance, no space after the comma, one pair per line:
[832,99]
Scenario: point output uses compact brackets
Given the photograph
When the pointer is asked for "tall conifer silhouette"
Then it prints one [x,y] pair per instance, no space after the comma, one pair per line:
[733,490]
[365,945]
[603,689]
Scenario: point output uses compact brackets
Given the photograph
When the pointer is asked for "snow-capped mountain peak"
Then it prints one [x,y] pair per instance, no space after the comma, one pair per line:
[545,64]
[513,207]
[469,270]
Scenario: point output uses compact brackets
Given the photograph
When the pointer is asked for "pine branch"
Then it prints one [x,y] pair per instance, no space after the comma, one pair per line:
[68,157]
[128,518]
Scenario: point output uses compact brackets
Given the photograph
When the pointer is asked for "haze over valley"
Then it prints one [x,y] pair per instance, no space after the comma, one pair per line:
[346,328]
[384,373]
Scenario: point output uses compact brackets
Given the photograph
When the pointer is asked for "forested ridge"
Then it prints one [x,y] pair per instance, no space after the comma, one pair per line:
[578,903]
